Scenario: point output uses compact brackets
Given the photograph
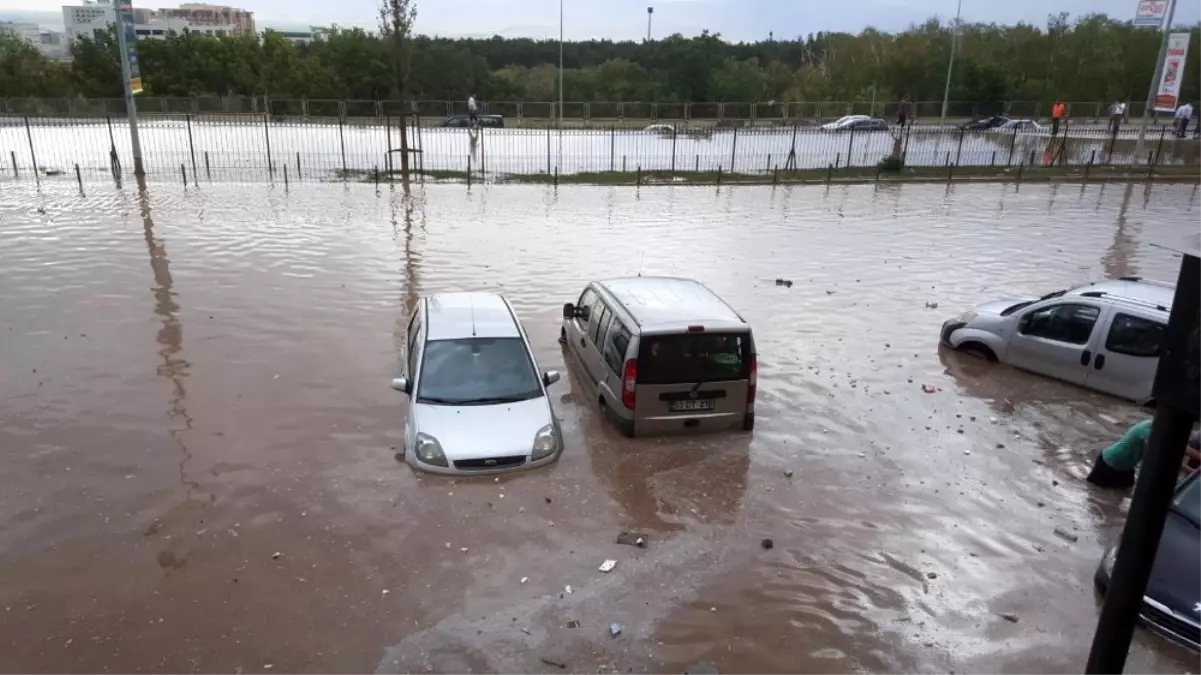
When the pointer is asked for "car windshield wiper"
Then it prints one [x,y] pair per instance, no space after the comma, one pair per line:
[439,401]
[1048,296]
[492,400]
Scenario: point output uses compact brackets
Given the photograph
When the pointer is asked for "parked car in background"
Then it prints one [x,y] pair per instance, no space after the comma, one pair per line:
[476,400]
[1020,125]
[1172,602]
[856,122]
[986,123]
[660,129]
[463,121]
[662,354]
[1105,336]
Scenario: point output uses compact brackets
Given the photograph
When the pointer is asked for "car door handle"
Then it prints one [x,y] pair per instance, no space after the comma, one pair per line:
[1099,362]
[1085,356]
[583,343]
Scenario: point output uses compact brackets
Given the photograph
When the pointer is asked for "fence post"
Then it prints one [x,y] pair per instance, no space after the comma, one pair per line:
[850,146]
[1012,142]
[775,175]
[267,136]
[556,177]
[1031,158]
[548,148]
[829,171]
[79,178]
[468,170]
[1159,148]
[959,150]
[388,143]
[697,167]
[993,161]
[638,176]
[838,160]
[946,160]
[13,155]
[483,156]
[1113,138]
[733,148]
[183,172]
[1021,165]
[191,147]
[297,166]
[767,167]
[612,147]
[285,176]
[207,173]
[1087,167]
[623,163]
[375,174]
[32,156]
[673,151]
[342,141]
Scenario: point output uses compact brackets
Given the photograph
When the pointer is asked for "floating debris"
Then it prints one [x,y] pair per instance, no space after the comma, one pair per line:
[607,566]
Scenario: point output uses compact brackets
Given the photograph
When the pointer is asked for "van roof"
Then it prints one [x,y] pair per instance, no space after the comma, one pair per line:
[462,315]
[671,302]
[1136,290]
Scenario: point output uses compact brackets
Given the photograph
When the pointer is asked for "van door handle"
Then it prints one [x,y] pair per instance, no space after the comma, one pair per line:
[1099,362]
[1085,356]
[582,343]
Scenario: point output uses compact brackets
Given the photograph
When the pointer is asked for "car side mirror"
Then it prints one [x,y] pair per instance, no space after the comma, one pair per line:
[401,384]
[568,310]
[550,377]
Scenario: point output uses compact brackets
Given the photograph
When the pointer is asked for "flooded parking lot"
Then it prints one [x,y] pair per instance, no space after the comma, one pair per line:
[198,434]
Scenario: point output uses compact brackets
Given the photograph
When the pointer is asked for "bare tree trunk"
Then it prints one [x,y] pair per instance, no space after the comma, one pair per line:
[396,27]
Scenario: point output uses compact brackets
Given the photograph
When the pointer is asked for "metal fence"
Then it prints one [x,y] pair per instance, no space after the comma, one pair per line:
[518,113]
[257,147]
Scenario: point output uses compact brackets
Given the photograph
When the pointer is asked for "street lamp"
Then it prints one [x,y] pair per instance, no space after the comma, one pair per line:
[650,11]
[946,92]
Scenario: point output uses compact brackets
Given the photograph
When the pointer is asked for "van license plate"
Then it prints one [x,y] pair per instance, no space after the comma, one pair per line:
[701,404]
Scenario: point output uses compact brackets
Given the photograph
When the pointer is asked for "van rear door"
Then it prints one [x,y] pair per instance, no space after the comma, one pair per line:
[697,376]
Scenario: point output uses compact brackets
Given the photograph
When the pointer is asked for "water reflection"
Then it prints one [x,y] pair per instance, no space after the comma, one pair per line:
[1117,256]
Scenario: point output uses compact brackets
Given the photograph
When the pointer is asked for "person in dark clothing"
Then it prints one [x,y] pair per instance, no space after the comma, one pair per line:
[904,110]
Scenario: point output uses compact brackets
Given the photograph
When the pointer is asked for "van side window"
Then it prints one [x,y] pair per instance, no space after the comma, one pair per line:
[1063,323]
[600,321]
[1134,336]
[616,344]
[587,300]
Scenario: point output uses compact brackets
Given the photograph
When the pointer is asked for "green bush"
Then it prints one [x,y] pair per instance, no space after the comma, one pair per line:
[891,164]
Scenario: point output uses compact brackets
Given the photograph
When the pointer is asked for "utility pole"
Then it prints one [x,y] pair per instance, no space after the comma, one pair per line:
[131,76]
[560,85]
[1158,73]
[946,92]
[650,11]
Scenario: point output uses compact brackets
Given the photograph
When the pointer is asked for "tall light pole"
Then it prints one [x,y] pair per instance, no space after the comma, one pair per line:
[560,85]
[1155,77]
[131,74]
[946,92]
[650,12]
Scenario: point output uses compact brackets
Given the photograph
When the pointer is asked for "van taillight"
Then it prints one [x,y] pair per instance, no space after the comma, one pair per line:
[629,379]
[753,381]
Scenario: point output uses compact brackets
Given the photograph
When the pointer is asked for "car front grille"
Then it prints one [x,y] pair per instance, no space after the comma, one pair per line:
[1169,624]
[489,463]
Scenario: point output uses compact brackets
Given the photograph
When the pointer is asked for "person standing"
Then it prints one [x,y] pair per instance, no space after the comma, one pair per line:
[1056,115]
[1116,112]
[904,110]
[472,110]
[1183,114]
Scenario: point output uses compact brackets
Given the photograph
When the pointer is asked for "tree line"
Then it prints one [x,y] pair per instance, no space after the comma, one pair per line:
[1091,58]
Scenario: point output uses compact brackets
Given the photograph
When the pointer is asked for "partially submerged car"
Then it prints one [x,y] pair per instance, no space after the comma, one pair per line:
[476,400]
[1172,603]
[857,123]
[464,121]
[986,123]
[1105,336]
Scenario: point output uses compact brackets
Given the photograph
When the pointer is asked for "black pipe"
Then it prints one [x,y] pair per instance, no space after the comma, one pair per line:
[267,136]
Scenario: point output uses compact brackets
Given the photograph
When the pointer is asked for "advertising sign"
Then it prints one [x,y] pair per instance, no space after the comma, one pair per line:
[1150,13]
[1167,94]
[125,22]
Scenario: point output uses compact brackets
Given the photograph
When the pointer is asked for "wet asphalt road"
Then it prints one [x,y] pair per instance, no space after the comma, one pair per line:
[198,434]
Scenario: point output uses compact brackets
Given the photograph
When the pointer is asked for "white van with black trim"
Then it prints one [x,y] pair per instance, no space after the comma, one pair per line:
[663,354]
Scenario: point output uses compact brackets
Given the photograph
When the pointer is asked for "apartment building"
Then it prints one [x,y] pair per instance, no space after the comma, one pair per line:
[50,43]
[97,15]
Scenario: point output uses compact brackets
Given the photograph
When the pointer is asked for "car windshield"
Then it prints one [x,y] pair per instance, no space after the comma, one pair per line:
[476,371]
[694,357]
[847,119]
[1187,501]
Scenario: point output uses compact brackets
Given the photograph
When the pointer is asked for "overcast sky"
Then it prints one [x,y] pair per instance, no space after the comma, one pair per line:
[626,19]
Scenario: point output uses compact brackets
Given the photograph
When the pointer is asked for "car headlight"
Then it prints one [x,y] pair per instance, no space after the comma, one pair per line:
[546,442]
[429,451]
[1111,556]
[966,317]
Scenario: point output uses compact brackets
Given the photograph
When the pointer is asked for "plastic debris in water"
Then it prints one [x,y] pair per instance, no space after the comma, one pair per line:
[608,565]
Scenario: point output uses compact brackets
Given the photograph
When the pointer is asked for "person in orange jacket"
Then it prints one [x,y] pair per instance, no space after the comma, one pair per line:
[1057,111]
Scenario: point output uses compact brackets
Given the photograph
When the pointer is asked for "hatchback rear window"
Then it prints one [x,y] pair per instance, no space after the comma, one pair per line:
[694,357]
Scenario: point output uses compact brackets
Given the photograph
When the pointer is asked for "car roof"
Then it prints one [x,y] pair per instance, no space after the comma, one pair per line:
[1134,290]
[670,302]
[463,315]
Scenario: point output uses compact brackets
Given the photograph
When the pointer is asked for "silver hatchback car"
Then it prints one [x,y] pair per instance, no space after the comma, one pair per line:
[1105,336]
[476,401]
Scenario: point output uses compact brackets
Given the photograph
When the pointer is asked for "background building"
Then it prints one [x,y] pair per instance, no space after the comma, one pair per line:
[50,43]
[93,17]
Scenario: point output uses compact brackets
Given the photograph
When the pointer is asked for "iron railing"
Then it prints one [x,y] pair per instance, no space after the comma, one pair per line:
[264,146]
[518,113]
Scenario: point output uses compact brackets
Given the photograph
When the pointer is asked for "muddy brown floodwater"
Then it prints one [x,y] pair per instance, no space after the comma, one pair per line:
[198,434]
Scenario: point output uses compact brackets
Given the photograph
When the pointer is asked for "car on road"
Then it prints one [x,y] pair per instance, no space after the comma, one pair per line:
[660,129]
[662,354]
[1019,125]
[985,123]
[1105,336]
[476,400]
[464,121]
[856,122]
[1172,603]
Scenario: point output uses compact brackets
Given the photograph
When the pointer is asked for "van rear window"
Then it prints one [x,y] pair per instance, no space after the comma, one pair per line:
[693,357]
